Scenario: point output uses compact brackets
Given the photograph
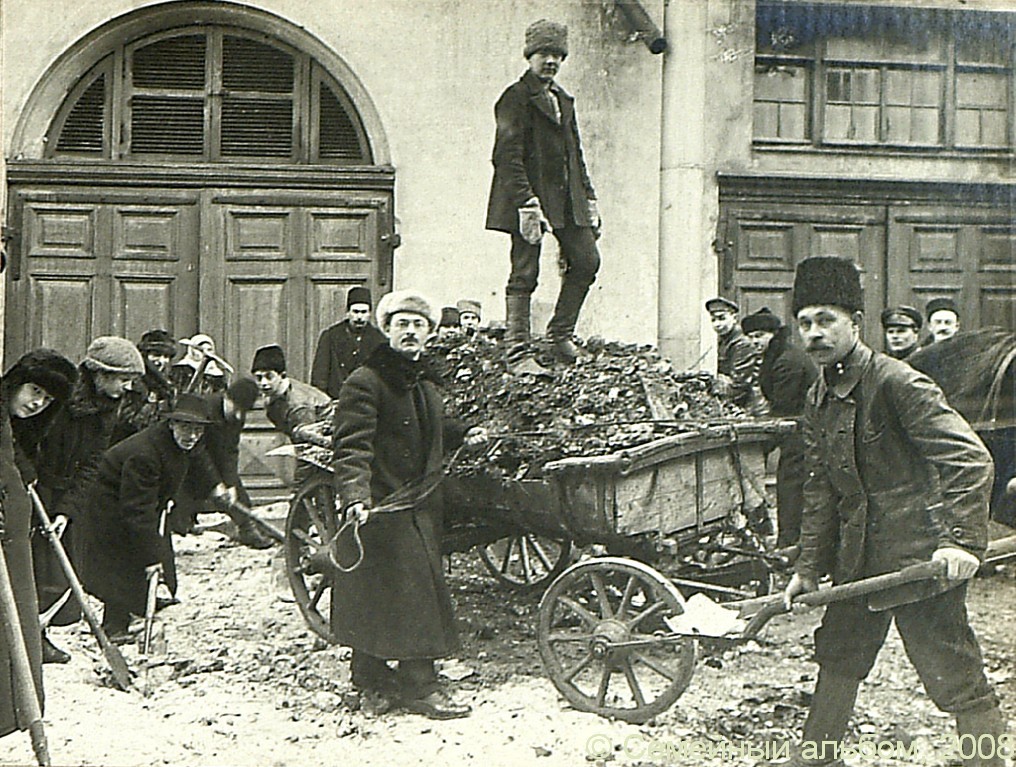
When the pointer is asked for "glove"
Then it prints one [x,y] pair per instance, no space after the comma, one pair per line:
[532,222]
[594,218]
[224,494]
[799,584]
[961,565]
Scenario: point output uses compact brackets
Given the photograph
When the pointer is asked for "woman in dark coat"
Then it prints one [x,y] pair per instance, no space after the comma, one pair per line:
[123,536]
[390,431]
[30,394]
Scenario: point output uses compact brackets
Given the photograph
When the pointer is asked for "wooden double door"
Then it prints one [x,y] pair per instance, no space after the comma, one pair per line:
[247,266]
[908,253]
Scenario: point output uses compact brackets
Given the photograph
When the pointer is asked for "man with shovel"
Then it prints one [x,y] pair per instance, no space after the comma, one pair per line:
[895,477]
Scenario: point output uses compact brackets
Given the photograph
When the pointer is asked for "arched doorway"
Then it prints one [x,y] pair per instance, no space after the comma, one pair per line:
[196,167]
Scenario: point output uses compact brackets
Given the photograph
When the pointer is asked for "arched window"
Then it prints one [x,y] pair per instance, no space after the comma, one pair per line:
[209,94]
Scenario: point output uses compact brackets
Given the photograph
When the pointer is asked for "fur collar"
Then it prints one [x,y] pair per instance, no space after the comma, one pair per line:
[397,371]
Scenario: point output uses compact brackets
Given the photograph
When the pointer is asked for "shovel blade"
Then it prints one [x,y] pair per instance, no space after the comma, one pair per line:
[704,617]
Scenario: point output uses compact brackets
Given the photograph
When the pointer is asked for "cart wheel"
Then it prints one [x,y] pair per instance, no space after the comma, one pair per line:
[310,523]
[605,643]
[525,561]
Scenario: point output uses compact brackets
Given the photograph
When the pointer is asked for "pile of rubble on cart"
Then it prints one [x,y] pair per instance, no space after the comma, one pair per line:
[616,397]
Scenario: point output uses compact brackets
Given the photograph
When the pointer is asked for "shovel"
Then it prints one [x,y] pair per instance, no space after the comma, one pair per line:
[744,619]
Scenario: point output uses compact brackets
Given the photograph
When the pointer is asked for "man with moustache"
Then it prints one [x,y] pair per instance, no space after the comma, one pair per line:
[943,319]
[390,431]
[895,477]
[541,184]
[344,346]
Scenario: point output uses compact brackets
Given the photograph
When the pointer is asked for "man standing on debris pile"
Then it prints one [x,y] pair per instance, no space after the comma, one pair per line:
[541,184]
[896,477]
[124,535]
[344,346]
[68,460]
[389,432]
[737,360]
[785,375]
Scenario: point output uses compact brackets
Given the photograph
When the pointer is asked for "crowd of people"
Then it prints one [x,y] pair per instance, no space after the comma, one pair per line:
[129,445]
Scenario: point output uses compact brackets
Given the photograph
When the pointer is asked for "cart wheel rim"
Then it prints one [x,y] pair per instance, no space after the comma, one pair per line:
[527,560]
[309,524]
[605,642]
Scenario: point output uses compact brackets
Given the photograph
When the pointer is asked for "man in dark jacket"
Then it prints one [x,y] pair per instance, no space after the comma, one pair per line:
[68,460]
[540,184]
[896,477]
[737,361]
[785,375]
[902,328]
[124,534]
[395,606]
[344,346]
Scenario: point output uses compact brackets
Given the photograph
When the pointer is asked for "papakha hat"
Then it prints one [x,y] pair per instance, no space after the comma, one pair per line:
[112,354]
[902,316]
[545,35]
[827,281]
[269,358]
[358,294]
[190,408]
[763,319]
[404,301]
[449,317]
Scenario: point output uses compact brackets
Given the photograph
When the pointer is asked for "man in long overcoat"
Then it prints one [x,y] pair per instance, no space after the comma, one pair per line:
[540,183]
[68,459]
[123,535]
[390,431]
[895,477]
[344,346]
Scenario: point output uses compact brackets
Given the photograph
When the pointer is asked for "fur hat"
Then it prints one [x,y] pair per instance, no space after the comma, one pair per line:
[112,354]
[157,342]
[269,358]
[358,294]
[763,319]
[449,317]
[940,305]
[721,304]
[827,281]
[902,316]
[468,305]
[544,35]
[190,408]
[45,368]
[243,392]
[404,301]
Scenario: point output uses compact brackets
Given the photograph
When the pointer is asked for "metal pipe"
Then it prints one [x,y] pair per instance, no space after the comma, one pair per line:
[643,26]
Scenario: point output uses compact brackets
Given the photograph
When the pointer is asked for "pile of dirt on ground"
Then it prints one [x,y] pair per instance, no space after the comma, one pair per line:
[615,396]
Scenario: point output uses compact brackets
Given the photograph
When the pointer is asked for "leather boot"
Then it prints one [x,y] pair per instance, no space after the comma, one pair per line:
[562,325]
[972,726]
[517,318]
[51,653]
[831,707]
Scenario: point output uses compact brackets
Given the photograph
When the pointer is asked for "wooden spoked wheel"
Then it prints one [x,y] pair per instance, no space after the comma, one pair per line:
[605,642]
[310,525]
[525,561]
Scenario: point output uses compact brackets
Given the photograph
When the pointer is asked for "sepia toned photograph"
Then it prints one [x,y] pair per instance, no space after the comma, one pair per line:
[622,383]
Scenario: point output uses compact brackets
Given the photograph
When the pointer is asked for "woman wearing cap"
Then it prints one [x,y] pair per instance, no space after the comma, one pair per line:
[68,458]
[31,392]
[123,535]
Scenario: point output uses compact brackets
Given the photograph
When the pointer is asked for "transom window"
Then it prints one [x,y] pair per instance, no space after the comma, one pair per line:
[830,76]
[209,94]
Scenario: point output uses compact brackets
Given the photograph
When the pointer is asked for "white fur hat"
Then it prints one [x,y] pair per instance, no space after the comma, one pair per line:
[404,301]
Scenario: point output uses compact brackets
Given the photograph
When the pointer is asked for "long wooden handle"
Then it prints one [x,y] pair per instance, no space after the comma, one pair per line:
[121,674]
[150,604]
[26,697]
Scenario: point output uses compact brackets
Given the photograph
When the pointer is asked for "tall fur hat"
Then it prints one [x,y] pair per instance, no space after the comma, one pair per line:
[404,301]
[449,317]
[828,281]
[112,354]
[763,319]
[544,35]
[46,368]
[358,294]
[158,342]
[269,358]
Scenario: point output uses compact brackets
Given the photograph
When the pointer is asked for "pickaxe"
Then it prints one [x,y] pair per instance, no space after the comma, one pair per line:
[206,357]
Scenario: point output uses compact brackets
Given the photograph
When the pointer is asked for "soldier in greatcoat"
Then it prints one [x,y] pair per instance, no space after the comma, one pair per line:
[389,431]
[895,477]
[123,535]
[32,390]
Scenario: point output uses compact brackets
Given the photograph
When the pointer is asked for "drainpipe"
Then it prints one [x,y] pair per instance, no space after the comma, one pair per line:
[643,27]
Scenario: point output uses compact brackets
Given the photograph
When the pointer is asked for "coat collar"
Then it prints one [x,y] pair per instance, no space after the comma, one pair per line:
[397,371]
[535,87]
[842,377]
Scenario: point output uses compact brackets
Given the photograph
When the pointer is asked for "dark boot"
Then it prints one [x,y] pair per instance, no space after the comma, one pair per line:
[424,694]
[971,726]
[561,327]
[831,707]
[51,653]
[517,318]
